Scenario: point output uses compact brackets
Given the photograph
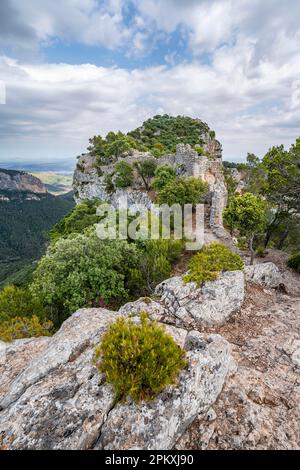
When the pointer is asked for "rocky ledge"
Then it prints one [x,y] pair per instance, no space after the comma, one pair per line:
[240,389]
[52,396]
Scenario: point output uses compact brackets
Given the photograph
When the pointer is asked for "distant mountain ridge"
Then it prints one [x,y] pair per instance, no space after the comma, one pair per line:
[12,180]
[27,212]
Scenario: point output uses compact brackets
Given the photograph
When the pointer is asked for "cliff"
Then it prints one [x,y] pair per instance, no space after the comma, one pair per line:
[90,176]
[11,180]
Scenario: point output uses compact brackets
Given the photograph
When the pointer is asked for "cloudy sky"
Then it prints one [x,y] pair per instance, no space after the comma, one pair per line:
[75,68]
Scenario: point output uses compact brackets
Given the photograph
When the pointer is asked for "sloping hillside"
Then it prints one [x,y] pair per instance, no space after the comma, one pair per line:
[27,212]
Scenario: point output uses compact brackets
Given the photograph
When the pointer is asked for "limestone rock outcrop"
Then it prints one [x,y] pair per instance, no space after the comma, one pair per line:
[265,274]
[210,304]
[11,180]
[53,397]
[89,182]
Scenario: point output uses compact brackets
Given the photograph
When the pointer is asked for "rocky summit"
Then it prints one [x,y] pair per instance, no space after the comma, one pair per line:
[240,389]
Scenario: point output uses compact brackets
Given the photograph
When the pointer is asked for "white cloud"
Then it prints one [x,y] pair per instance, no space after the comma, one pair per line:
[251,109]
[81,21]
[243,78]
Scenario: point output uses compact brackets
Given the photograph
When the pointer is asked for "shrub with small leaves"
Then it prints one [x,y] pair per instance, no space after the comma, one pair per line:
[16,302]
[124,175]
[139,358]
[294,262]
[19,328]
[210,262]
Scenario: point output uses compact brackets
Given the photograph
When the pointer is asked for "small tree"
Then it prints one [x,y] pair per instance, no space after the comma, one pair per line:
[117,147]
[183,191]
[163,175]
[124,175]
[146,170]
[140,359]
[247,214]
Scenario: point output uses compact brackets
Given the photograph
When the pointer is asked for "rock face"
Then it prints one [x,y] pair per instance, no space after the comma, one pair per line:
[265,274]
[157,425]
[52,396]
[208,305]
[259,408]
[90,183]
[19,181]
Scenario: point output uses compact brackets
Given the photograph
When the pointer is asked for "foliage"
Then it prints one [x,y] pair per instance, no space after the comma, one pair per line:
[183,191]
[20,327]
[210,262]
[109,184]
[17,273]
[161,134]
[155,263]
[139,359]
[24,223]
[123,175]
[146,170]
[83,270]
[114,144]
[158,135]
[247,214]
[16,302]
[163,175]
[83,215]
[231,184]
[294,262]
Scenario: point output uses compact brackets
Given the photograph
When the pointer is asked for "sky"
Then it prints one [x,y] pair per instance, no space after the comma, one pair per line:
[75,68]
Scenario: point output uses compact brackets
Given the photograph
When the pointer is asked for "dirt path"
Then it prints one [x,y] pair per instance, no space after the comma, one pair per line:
[259,407]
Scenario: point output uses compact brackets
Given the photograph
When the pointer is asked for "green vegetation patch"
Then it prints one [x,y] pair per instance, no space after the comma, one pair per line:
[210,262]
[22,327]
[294,262]
[139,358]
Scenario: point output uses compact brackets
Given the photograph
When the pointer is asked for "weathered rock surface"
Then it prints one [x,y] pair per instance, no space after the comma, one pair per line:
[54,398]
[157,424]
[89,182]
[208,305]
[259,407]
[265,274]
[11,180]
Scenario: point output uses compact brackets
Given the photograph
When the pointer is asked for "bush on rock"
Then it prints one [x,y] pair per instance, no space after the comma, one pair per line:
[139,358]
[210,262]
[19,328]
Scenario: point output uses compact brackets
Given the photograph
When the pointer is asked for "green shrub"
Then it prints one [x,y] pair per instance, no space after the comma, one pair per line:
[199,149]
[124,175]
[155,263]
[19,328]
[163,175]
[82,271]
[83,215]
[146,170]
[260,251]
[109,184]
[139,359]
[210,262]
[183,191]
[294,262]
[16,302]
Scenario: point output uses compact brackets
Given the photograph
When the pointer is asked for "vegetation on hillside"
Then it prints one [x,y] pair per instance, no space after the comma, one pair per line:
[158,135]
[247,214]
[276,179]
[210,262]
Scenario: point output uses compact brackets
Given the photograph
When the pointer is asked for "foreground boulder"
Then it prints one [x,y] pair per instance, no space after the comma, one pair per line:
[210,304]
[264,274]
[53,397]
